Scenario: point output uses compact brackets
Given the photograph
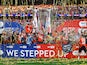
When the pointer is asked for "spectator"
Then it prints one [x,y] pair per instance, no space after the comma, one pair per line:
[29,39]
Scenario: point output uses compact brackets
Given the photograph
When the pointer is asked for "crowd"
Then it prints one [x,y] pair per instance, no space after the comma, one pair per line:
[80,9]
[32,35]
[73,10]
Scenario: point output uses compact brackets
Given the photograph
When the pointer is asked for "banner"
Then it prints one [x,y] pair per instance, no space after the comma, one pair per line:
[38,51]
[59,15]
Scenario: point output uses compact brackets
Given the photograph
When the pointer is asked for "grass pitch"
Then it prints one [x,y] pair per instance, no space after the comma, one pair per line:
[46,61]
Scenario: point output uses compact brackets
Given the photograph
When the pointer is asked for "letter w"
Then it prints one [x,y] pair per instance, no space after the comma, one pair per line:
[9,52]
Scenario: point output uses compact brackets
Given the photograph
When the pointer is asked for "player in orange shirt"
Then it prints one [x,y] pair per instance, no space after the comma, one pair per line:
[28,28]
[82,45]
[40,38]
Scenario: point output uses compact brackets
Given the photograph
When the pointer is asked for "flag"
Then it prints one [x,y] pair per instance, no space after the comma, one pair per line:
[48,22]
[35,19]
